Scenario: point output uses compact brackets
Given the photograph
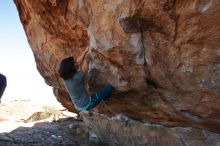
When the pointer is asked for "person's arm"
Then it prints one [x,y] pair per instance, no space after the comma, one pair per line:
[85,64]
[80,59]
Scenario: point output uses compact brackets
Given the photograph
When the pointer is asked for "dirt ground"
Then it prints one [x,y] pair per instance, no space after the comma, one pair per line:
[25,124]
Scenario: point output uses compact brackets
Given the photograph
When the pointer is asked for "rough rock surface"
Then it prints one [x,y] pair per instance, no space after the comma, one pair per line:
[162,56]
[122,131]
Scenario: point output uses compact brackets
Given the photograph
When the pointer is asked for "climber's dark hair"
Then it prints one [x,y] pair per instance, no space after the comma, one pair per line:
[67,68]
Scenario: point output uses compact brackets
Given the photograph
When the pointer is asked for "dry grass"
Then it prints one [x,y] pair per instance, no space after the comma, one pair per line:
[48,112]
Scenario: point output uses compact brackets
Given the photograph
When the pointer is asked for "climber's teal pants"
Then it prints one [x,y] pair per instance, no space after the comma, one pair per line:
[100,95]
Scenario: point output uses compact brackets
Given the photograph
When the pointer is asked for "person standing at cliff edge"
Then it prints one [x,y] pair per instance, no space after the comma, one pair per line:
[72,72]
[3,84]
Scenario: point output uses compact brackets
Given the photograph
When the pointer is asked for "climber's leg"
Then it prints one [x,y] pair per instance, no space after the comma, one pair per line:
[101,94]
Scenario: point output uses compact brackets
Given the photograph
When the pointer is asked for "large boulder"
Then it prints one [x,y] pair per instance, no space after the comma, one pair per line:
[162,56]
[122,131]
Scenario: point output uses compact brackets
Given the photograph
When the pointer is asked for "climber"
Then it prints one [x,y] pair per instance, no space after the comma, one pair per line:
[72,72]
[3,83]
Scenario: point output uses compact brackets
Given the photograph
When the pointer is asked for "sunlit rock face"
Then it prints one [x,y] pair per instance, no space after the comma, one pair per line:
[162,56]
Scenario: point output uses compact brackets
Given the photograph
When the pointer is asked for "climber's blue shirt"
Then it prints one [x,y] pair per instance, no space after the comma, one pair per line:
[77,91]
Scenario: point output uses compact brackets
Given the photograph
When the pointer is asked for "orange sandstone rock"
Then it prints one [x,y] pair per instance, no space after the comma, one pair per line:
[162,56]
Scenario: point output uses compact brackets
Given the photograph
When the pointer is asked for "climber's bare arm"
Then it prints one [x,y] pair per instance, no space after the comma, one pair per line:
[81,58]
[85,64]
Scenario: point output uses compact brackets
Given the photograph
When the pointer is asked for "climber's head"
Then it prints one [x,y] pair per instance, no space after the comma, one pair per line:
[67,68]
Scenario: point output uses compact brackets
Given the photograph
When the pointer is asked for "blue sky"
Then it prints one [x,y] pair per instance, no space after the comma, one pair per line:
[17,61]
